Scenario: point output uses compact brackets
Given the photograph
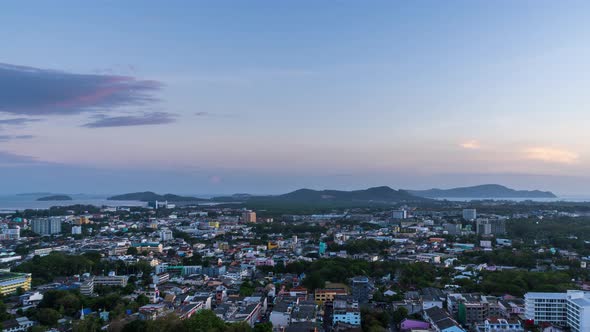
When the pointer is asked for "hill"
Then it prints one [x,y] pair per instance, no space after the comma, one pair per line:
[55,198]
[149,196]
[482,191]
[376,195]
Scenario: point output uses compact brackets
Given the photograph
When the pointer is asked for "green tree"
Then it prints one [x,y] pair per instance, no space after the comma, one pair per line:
[263,327]
[48,316]
[89,324]
[400,314]
[205,321]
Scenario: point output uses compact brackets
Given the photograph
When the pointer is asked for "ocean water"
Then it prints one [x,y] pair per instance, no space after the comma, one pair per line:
[10,203]
[577,199]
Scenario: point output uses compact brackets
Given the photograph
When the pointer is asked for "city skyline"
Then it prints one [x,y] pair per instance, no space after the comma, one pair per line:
[265,97]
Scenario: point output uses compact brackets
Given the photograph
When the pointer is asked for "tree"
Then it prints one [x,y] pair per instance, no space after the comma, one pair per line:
[89,324]
[131,251]
[263,327]
[48,316]
[205,321]
[135,326]
[3,314]
[314,281]
[142,300]
[400,314]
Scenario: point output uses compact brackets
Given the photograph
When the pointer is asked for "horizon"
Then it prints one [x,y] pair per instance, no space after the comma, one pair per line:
[267,97]
[211,195]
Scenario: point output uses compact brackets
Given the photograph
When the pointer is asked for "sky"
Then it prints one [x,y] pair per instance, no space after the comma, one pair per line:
[211,97]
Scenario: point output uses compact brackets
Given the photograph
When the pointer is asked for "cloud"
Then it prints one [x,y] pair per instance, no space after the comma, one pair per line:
[471,144]
[17,121]
[32,91]
[12,159]
[552,155]
[145,119]
[202,114]
[4,138]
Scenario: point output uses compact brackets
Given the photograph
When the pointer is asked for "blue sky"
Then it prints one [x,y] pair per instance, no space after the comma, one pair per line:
[270,96]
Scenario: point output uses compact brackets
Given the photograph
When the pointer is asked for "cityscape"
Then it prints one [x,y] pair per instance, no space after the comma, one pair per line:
[294,166]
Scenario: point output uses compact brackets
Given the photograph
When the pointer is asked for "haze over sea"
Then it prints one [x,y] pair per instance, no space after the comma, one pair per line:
[9,203]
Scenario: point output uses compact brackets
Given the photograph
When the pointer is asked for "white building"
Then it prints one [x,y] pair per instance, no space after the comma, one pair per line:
[76,230]
[469,214]
[166,235]
[399,214]
[546,307]
[578,311]
[570,309]
[46,226]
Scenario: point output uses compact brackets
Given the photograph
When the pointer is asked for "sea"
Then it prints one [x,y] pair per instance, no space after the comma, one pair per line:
[19,202]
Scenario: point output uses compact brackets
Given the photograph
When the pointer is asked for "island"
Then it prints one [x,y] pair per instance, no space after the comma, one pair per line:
[482,191]
[149,196]
[55,198]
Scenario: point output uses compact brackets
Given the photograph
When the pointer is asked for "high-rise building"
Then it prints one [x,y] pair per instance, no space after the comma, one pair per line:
[399,214]
[166,235]
[486,226]
[469,214]
[46,226]
[571,309]
[361,289]
[249,216]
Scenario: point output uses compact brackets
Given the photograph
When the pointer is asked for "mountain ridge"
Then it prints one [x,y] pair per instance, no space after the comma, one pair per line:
[482,191]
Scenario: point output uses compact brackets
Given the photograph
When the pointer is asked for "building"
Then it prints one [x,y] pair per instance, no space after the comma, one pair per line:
[76,230]
[578,311]
[161,278]
[499,325]
[111,280]
[469,214]
[472,309]
[327,295]
[490,226]
[46,226]
[148,247]
[20,324]
[452,229]
[322,248]
[11,281]
[346,312]
[10,233]
[248,216]
[441,321]
[361,289]
[546,308]
[399,214]
[166,235]
[87,287]
[571,309]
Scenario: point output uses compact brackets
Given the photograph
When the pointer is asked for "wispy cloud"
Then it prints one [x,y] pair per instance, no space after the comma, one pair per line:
[17,121]
[552,155]
[12,159]
[144,119]
[33,91]
[471,144]
[4,138]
